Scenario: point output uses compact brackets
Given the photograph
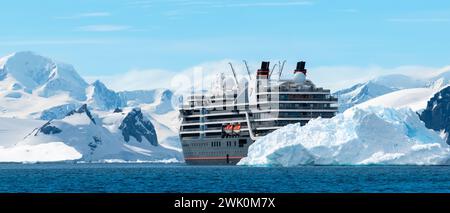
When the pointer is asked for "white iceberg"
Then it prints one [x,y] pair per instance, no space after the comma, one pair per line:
[359,136]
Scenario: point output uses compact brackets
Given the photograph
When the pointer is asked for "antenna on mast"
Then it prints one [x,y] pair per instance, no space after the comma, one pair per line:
[234,75]
[281,69]
[248,70]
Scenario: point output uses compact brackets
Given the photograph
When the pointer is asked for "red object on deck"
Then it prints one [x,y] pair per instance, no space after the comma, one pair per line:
[237,127]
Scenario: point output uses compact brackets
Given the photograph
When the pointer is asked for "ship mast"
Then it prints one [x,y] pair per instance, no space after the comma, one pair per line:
[234,75]
[281,68]
[273,68]
[248,70]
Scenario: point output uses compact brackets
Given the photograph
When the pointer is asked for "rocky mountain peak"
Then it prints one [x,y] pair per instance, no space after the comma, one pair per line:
[102,98]
[81,110]
[136,125]
[437,114]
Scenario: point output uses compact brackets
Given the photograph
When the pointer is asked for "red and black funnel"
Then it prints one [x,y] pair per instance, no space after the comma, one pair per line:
[264,71]
[301,67]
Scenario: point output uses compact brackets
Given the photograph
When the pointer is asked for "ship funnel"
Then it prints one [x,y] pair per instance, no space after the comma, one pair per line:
[264,71]
[265,66]
[301,67]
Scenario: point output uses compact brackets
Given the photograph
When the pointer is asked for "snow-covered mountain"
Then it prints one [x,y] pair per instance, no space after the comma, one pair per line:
[137,126]
[163,103]
[126,136]
[362,92]
[31,84]
[26,72]
[382,85]
[440,80]
[49,113]
[374,135]
[99,97]
[36,88]
[102,98]
[414,98]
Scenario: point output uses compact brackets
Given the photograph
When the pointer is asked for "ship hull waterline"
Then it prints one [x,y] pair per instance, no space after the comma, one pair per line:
[215,151]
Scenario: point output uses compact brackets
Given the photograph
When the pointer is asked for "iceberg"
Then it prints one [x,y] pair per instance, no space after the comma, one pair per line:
[359,136]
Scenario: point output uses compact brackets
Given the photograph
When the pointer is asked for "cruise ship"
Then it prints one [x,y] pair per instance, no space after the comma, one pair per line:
[218,127]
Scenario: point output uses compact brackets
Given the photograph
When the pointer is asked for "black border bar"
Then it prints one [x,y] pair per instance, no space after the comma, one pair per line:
[151,202]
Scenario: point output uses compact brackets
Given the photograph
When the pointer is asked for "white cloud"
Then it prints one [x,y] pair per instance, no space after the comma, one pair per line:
[267,4]
[136,79]
[418,20]
[103,28]
[200,76]
[95,14]
[243,4]
[339,77]
[86,15]
[221,4]
[203,75]
[140,4]
[54,42]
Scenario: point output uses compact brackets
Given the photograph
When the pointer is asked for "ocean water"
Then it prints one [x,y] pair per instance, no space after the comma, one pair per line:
[154,178]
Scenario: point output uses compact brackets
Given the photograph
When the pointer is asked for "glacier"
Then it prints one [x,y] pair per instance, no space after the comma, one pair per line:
[359,136]
[47,152]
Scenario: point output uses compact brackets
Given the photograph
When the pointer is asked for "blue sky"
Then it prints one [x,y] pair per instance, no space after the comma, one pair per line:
[114,37]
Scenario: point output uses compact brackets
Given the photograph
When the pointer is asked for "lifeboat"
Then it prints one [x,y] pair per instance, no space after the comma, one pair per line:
[237,128]
[228,129]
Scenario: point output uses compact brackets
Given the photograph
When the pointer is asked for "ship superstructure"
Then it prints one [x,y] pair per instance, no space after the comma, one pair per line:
[218,127]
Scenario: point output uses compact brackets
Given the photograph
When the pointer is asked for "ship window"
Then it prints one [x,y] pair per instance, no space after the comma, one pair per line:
[242,142]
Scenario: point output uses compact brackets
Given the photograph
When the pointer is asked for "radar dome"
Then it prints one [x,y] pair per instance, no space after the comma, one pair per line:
[300,72]
[299,77]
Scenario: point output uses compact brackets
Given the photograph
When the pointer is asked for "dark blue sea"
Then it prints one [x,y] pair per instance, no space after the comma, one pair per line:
[151,178]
